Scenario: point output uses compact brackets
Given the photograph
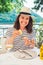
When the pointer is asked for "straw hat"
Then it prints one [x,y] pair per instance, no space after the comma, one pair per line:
[25,10]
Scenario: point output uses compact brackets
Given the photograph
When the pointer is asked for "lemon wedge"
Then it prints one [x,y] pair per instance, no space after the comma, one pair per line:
[20,31]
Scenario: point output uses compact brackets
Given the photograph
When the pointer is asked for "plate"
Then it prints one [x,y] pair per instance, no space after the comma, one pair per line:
[25,54]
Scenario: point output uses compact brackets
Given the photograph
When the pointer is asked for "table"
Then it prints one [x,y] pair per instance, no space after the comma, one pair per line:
[9,59]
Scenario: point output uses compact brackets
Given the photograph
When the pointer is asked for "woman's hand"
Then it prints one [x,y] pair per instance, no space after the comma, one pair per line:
[32,43]
[15,33]
[27,41]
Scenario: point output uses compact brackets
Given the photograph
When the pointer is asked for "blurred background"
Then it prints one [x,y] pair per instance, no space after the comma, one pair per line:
[9,9]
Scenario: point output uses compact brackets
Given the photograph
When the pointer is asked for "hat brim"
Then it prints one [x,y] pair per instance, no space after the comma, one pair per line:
[25,13]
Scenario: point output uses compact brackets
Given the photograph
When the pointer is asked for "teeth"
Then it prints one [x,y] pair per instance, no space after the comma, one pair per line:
[20,31]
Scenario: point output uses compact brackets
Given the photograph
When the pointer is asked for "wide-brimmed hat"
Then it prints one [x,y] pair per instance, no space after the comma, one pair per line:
[25,10]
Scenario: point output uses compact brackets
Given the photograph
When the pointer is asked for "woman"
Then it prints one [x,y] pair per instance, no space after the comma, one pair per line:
[22,35]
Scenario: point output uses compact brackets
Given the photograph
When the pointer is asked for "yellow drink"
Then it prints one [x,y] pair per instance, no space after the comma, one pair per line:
[41,52]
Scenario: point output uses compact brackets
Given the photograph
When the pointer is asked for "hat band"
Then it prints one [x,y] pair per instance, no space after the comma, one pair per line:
[25,13]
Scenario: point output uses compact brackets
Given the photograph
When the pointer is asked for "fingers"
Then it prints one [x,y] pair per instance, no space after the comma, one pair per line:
[31,46]
[15,33]
[26,40]
[32,41]
[29,42]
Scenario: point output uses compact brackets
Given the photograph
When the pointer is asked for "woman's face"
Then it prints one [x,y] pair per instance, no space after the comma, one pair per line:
[24,20]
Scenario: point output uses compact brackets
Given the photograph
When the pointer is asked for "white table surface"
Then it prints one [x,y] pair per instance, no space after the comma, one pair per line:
[9,59]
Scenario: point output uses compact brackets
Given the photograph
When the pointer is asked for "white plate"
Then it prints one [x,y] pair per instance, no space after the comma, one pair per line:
[25,54]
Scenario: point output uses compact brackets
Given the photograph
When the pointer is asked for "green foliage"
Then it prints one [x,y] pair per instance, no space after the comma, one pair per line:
[39,36]
[36,1]
[5,5]
[8,5]
[38,4]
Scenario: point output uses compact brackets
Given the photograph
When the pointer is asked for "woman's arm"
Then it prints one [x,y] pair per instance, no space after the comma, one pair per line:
[9,40]
[12,37]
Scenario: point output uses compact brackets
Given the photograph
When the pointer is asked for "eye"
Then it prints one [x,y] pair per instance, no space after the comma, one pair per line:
[27,18]
[22,17]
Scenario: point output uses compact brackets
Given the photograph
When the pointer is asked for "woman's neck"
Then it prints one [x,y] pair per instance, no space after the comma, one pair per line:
[22,28]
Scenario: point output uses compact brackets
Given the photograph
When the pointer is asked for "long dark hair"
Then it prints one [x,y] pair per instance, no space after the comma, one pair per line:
[28,27]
